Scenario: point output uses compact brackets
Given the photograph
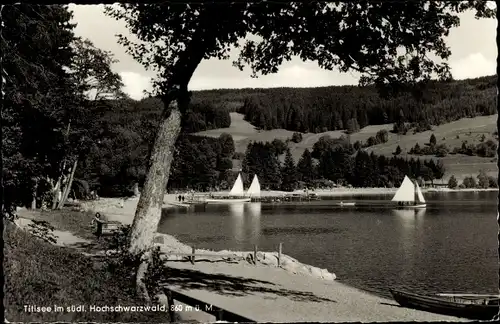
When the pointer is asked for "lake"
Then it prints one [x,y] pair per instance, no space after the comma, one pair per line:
[450,246]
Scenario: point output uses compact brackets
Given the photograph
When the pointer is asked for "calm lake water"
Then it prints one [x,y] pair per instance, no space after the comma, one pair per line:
[450,246]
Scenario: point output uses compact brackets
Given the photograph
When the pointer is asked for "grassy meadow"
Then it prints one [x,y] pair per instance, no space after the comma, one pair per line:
[452,134]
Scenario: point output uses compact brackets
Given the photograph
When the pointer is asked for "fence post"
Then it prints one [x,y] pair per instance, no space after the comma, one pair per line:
[170,305]
[279,254]
[220,315]
[255,254]
[193,251]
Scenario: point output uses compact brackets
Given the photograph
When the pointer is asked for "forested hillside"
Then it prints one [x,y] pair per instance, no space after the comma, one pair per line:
[343,107]
[352,107]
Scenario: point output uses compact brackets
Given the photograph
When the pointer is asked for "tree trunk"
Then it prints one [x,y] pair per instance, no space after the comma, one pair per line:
[58,185]
[33,202]
[68,186]
[136,189]
[148,212]
[55,190]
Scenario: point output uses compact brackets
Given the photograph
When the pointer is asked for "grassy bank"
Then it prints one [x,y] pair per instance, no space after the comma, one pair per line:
[41,274]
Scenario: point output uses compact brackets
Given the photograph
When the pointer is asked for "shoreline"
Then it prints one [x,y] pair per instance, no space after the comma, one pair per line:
[112,210]
[334,192]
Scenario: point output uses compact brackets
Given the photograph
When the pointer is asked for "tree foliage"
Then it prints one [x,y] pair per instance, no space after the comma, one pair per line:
[288,173]
[38,95]
[452,182]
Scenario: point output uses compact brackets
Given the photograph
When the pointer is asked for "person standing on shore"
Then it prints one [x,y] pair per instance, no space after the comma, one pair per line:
[98,221]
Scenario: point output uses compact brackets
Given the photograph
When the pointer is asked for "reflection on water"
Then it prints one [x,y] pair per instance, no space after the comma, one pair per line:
[237,212]
[253,225]
[411,221]
[245,222]
[255,209]
[237,209]
[449,246]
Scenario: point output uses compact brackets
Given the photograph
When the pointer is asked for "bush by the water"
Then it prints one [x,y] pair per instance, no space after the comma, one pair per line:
[452,183]
[482,181]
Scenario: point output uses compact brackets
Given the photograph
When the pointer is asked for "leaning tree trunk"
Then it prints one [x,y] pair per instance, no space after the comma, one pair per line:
[176,100]
[55,192]
[68,186]
[148,212]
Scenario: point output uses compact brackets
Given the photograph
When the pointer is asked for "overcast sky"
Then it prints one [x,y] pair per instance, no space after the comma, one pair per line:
[473,47]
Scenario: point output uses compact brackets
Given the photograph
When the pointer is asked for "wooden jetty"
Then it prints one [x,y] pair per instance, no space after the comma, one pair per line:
[286,197]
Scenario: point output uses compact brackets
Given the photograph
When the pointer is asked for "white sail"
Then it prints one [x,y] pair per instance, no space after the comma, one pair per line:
[237,189]
[406,192]
[254,189]
[419,194]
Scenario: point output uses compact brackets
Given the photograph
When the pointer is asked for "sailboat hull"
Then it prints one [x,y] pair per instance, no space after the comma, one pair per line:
[227,201]
[417,206]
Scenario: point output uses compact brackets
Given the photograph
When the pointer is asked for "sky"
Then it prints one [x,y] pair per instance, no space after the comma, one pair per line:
[473,47]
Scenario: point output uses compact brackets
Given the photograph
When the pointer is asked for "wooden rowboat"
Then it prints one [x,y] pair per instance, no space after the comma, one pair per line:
[347,203]
[472,306]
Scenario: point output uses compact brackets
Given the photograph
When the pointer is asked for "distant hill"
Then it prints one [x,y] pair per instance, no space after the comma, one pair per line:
[331,108]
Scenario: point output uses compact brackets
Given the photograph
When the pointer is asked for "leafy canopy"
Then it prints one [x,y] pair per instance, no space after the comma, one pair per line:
[388,42]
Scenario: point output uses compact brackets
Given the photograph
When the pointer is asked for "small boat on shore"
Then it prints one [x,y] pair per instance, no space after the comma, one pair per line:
[347,204]
[405,195]
[471,306]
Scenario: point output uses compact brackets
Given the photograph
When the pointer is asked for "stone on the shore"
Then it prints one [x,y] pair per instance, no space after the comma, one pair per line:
[159,239]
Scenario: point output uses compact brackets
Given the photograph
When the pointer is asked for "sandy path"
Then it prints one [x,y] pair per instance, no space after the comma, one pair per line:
[274,295]
[63,238]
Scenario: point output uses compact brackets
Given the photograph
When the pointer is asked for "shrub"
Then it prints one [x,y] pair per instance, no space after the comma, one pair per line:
[483,180]
[296,137]
[452,183]
[432,140]
[469,182]
[371,141]
[43,230]
[382,136]
[279,146]
[238,155]
[493,182]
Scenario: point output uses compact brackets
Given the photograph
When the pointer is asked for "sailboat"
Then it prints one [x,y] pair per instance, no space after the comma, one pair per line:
[405,196]
[254,189]
[236,195]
